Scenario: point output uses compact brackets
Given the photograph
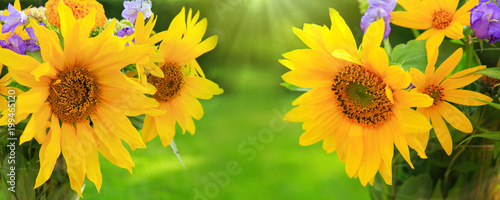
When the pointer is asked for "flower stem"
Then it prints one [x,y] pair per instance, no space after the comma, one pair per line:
[481,171]
[387,46]
[415,33]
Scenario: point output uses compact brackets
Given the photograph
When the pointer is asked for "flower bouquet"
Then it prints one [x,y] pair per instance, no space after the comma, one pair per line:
[75,84]
[433,95]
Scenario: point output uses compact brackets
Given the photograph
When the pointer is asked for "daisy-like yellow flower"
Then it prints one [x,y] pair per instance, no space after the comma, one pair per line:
[444,90]
[438,17]
[357,104]
[180,88]
[80,94]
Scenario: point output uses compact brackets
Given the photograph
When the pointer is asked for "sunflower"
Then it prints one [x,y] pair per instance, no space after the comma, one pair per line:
[181,87]
[444,90]
[357,104]
[438,17]
[80,94]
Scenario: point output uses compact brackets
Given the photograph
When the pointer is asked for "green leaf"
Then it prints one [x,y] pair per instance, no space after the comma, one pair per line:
[294,88]
[410,55]
[458,190]
[491,135]
[437,194]
[416,187]
[494,105]
[493,72]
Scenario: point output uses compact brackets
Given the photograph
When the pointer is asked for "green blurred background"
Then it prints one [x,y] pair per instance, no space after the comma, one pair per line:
[242,149]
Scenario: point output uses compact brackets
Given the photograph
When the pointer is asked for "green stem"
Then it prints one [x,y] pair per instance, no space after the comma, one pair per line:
[476,58]
[469,56]
[498,64]
[448,170]
[387,46]
[415,33]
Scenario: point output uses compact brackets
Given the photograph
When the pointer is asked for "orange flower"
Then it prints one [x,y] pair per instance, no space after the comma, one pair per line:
[80,9]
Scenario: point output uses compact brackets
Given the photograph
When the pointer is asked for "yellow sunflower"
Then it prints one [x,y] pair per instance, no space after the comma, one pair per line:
[444,90]
[438,17]
[80,94]
[357,104]
[181,87]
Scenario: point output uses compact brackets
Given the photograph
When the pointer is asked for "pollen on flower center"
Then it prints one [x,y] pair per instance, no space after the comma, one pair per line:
[441,19]
[361,97]
[74,94]
[169,87]
[435,92]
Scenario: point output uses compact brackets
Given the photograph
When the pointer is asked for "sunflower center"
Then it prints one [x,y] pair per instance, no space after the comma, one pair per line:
[441,19]
[361,96]
[74,94]
[168,87]
[436,92]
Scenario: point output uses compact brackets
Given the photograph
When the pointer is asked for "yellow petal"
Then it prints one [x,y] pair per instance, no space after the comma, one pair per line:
[413,122]
[459,79]
[149,131]
[412,99]
[37,124]
[396,77]
[371,158]
[432,48]
[455,30]
[49,152]
[465,97]
[464,10]
[74,155]
[355,147]
[418,78]
[447,66]
[400,141]
[344,55]
[86,134]
[454,117]
[44,70]
[372,38]
[165,125]
[411,19]
[441,131]
[201,88]
[119,125]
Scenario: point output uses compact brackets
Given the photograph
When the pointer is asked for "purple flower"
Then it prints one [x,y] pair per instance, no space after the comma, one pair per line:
[127,31]
[374,13]
[387,5]
[133,7]
[485,21]
[14,43]
[32,43]
[14,19]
